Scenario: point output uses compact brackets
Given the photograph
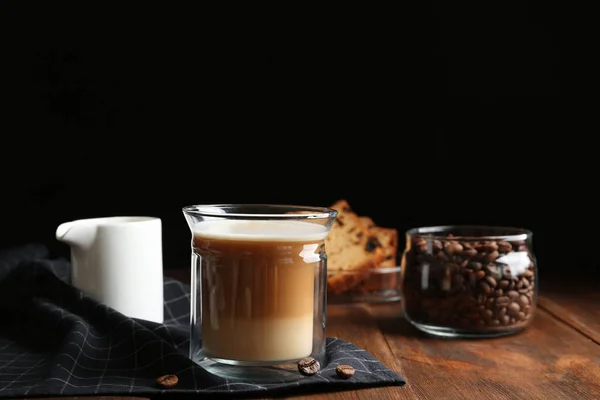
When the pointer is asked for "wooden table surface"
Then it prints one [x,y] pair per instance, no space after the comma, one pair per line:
[557,357]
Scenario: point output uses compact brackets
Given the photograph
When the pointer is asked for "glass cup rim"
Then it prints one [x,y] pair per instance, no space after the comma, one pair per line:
[440,232]
[219,210]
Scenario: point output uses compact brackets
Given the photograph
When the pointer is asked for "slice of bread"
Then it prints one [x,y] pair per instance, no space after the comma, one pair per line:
[386,280]
[368,222]
[351,251]
[388,237]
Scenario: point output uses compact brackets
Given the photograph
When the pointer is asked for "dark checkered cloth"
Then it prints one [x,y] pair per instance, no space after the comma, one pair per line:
[56,341]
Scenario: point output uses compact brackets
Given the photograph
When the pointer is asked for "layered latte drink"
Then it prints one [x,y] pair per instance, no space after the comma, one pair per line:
[259,283]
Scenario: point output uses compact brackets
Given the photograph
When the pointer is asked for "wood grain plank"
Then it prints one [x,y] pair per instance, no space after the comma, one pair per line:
[576,303]
[549,360]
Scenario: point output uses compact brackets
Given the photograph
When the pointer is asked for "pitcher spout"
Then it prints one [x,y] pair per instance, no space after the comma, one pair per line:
[75,234]
[62,231]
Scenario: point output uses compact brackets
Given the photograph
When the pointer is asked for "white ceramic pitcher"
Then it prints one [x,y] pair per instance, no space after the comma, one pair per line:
[118,261]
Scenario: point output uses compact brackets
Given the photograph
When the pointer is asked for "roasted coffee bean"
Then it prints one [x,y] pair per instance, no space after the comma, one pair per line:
[487,247]
[513,308]
[504,247]
[493,271]
[479,274]
[421,244]
[485,288]
[503,284]
[308,366]
[344,371]
[512,294]
[474,265]
[437,245]
[491,281]
[167,381]
[527,274]
[453,248]
[469,252]
[491,257]
[502,301]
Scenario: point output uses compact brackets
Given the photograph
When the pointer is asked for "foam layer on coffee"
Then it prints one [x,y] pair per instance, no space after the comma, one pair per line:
[289,231]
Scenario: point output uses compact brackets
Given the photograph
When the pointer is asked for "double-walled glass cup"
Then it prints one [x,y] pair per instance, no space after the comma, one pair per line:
[469,281]
[258,288]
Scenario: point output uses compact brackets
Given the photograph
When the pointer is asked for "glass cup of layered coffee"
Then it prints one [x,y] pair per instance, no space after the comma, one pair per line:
[258,288]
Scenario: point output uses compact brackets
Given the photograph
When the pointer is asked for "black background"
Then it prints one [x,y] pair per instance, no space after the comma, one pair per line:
[436,115]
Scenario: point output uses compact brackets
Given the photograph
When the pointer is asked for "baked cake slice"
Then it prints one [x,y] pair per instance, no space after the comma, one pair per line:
[351,250]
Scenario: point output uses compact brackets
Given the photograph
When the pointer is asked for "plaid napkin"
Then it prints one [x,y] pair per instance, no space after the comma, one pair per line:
[57,341]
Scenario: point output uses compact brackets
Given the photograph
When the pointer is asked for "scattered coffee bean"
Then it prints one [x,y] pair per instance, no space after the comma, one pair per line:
[344,371]
[308,366]
[467,284]
[167,381]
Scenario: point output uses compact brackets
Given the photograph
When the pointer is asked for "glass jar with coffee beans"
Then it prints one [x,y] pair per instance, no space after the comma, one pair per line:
[469,281]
